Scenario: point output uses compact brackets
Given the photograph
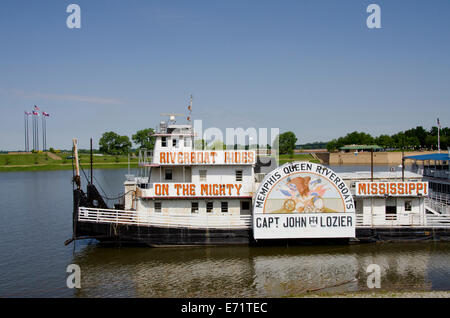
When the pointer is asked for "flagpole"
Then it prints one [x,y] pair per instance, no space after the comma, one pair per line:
[34,132]
[43,132]
[25,129]
[439,138]
[37,131]
[28,134]
[439,133]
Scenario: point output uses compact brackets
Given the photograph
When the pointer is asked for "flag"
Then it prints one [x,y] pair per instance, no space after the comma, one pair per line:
[27,113]
[45,114]
[36,108]
[35,113]
[439,124]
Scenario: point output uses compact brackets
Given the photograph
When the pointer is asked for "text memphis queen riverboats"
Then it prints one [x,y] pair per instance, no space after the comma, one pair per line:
[184,196]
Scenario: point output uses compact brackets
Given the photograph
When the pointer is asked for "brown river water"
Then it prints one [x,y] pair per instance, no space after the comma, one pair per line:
[35,220]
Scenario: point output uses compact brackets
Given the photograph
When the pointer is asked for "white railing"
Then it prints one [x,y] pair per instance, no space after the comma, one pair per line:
[145,157]
[442,174]
[411,220]
[438,220]
[439,202]
[146,219]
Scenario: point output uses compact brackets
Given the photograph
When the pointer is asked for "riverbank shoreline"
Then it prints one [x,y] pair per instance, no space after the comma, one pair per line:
[67,166]
[47,161]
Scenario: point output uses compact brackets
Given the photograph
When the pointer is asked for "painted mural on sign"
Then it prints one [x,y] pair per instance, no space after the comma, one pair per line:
[303,200]
[304,193]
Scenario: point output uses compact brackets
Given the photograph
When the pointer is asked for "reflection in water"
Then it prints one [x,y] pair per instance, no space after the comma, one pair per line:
[255,271]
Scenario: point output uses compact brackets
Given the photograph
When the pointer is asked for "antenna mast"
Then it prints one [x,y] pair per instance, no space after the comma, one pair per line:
[190,109]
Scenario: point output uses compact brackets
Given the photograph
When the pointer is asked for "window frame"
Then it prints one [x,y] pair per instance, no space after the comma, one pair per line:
[241,172]
[247,202]
[212,206]
[410,205]
[205,176]
[222,206]
[193,210]
[165,174]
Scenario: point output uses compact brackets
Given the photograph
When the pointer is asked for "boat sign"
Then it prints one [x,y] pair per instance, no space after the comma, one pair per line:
[303,200]
[391,188]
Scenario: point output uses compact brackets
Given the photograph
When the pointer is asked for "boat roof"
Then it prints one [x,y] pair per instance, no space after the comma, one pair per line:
[360,147]
[431,156]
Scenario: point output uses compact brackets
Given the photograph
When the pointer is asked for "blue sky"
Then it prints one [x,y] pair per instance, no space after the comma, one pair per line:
[312,67]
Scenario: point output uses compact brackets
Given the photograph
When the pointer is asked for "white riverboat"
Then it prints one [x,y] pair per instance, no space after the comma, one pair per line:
[187,196]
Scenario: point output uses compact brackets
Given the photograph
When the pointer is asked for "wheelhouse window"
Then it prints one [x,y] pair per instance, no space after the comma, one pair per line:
[163,141]
[209,206]
[238,175]
[408,206]
[224,207]
[391,209]
[245,205]
[202,175]
[168,174]
[194,207]
[158,207]
[174,142]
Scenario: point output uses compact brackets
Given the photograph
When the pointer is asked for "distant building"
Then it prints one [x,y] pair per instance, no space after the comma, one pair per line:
[360,148]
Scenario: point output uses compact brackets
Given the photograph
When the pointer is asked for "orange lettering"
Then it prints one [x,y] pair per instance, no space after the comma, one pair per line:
[362,188]
[172,157]
[165,189]
[185,189]
[238,188]
[157,189]
[412,186]
[230,187]
[401,188]
[419,187]
[177,186]
[374,188]
[162,157]
[204,189]
[251,157]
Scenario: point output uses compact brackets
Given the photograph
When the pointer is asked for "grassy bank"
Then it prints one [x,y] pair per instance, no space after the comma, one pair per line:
[61,161]
[297,157]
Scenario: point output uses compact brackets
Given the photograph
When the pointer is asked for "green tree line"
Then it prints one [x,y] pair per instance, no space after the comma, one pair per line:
[115,144]
[413,139]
